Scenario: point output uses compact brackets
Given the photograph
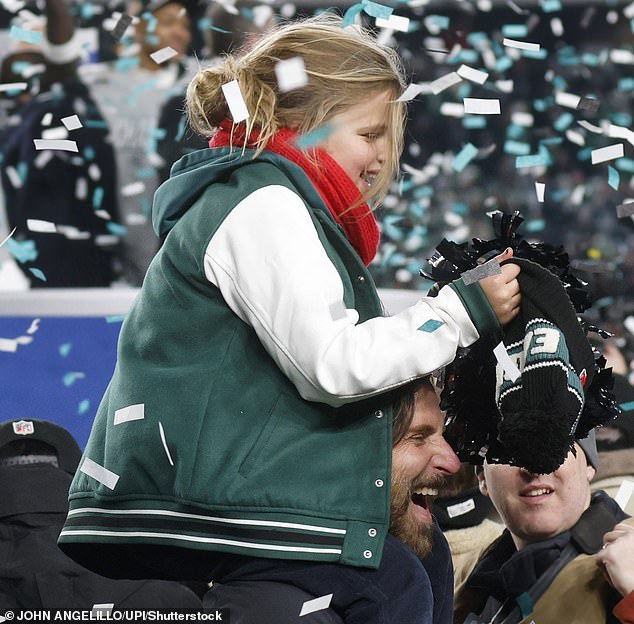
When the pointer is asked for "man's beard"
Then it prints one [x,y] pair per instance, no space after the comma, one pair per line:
[417,535]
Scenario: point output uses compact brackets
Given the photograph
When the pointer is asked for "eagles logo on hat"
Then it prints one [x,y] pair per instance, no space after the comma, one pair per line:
[563,390]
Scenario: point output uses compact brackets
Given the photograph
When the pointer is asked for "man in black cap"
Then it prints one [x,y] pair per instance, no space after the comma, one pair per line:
[542,568]
[37,461]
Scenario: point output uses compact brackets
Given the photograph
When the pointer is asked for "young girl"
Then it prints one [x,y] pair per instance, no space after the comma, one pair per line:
[247,415]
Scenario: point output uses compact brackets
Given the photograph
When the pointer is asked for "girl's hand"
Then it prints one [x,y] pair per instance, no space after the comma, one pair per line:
[503,290]
[617,557]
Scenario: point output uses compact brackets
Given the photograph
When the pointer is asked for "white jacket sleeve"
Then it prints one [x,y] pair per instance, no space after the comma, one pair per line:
[272,270]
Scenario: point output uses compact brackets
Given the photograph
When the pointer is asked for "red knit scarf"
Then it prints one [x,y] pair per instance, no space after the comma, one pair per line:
[333,184]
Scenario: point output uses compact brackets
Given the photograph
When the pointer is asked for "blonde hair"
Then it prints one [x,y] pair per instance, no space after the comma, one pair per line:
[344,68]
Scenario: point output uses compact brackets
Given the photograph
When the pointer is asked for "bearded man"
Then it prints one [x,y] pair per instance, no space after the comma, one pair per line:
[259,592]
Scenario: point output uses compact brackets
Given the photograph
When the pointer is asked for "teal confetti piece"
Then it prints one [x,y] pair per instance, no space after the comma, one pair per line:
[439,21]
[127,63]
[431,326]
[351,14]
[474,122]
[502,64]
[550,6]
[513,131]
[626,407]
[70,378]
[314,137]
[614,178]
[151,20]
[181,129]
[464,157]
[390,229]
[542,53]
[146,172]
[205,23]
[116,228]
[115,318]
[516,148]
[626,84]
[64,349]
[515,30]
[96,123]
[89,152]
[470,57]
[374,9]
[625,164]
[83,407]
[476,38]
[38,273]
[24,34]
[535,225]
[531,160]
[88,10]
[22,251]
[563,122]
[97,197]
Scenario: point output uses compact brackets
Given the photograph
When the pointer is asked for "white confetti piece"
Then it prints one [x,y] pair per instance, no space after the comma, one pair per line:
[410,93]
[134,188]
[540,188]
[525,120]
[569,100]
[291,74]
[99,473]
[557,26]
[72,122]
[235,101]
[317,604]
[58,132]
[474,75]
[628,323]
[480,272]
[619,132]
[81,188]
[520,45]
[604,154]
[31,70]
[46,144]
[481,106]
[13,86]
[628,11]
[590,127]
[626,489]
[395,22]
[622,57]
[135,218]
[72,233]
[575,137]
[38,225]
[42,159]
[444,82]
[8,237]
[104,607]
[129,413]
[164,54]
[625,210]
[507,364]
[452,109]
[47,119]
[94,172]
[505,86]
[14,177]
[167,451]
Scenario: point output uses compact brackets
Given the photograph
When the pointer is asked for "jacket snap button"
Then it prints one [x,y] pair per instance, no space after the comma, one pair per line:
[379,483]
[361,278]
[379,413]
[372,532]
[367,554]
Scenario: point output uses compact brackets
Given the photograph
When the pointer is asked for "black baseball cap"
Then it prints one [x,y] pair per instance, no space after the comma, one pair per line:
[66,449]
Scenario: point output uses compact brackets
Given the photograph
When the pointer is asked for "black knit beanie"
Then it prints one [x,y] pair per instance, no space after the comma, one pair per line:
[563,389]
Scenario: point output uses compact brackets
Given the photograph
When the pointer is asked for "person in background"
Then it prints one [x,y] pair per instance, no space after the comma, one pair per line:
[542,567]
[75,193]
[37,461]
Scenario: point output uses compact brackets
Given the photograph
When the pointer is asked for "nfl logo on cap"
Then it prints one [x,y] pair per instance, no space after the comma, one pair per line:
[23,427]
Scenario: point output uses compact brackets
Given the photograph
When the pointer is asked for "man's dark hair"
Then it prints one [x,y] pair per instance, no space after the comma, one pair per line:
[404,406]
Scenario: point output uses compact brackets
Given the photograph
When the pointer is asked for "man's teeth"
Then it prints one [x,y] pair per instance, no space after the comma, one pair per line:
[539,492]
[426,491]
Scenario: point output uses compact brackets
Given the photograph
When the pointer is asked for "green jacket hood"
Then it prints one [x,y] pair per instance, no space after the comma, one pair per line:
[192,174]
